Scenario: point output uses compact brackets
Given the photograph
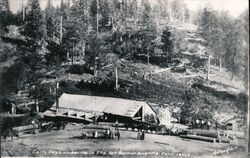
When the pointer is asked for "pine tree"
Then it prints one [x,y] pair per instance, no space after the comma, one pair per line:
[6,17]
[149,31]
[93,14]
[50,21]
[186,14]
[77,25]
[177,10]
[244,17]
[5,5]
[104,12]
[34,24]
[168,45]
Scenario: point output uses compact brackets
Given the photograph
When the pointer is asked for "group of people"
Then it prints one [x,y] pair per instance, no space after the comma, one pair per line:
[201,124]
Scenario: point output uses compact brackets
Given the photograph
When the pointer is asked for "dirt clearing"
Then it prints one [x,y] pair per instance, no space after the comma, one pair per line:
[68,142]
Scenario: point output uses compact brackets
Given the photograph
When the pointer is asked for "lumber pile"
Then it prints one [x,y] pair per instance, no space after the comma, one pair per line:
[18,131]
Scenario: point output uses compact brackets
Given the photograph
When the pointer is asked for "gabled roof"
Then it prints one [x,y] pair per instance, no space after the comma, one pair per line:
[116,106]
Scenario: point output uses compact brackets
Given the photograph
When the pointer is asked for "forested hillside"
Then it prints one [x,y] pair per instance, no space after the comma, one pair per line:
[158,51]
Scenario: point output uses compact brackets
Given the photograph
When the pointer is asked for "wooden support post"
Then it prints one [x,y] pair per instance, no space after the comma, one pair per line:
[116,79]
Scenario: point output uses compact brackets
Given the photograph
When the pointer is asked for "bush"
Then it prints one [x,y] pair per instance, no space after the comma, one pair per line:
[79,69]
[193,49]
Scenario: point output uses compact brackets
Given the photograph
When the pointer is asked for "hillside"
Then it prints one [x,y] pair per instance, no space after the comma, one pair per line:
[153,52]
[164,87]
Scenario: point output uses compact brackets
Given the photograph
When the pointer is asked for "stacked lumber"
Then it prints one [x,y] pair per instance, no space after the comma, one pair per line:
[18,131]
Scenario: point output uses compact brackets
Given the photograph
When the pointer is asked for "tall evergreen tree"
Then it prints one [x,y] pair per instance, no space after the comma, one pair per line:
[177,10]
[75,35]
[93,14]
[104,13]
[6,17]
[149,31]
[50,21]
[186,14]
[168,45]
[244,18]
[34,23]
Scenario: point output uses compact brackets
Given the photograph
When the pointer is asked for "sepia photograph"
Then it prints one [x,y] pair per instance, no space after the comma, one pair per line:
[124,78]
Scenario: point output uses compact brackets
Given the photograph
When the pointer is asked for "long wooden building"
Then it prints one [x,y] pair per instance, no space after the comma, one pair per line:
[87,109]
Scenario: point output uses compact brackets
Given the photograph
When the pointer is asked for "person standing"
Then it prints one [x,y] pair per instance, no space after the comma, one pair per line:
[202,123]
[208,125]
[116,124]
[139,135]
[143,135]
[118,134]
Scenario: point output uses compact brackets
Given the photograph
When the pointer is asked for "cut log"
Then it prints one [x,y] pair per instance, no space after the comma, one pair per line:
[187,76]
[24,128]
[161,143]
[207,139]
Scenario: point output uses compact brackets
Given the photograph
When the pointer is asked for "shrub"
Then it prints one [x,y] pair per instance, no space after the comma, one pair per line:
[79,69]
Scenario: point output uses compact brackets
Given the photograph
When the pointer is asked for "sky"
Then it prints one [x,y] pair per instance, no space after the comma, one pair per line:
[235,7]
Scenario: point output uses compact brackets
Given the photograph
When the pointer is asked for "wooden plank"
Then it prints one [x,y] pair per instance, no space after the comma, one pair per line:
[162,143]
[136,118]
[24,128]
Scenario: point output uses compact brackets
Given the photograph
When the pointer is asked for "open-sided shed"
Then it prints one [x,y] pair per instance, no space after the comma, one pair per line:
[84,106]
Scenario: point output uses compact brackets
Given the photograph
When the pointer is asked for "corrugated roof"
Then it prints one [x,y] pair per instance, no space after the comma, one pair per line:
[116,106]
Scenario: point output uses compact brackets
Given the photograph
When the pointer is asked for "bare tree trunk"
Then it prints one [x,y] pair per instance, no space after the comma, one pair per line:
[97,18]
[148,58]
[233,68]
[61,32]
[234,55]
[220,64]
[23,10]
[95,68]
[57,102]
[208,67]
[116,79]
[72,54]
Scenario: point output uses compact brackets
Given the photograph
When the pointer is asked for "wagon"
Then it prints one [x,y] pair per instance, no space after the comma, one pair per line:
[98,131]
